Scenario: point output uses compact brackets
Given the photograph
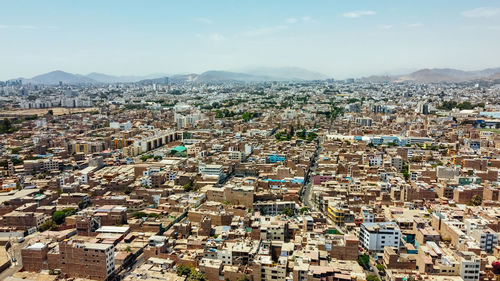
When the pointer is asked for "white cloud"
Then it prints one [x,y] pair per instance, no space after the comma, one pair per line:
[291,20]
[19,26]
[385,26]
[417,24]
[309,19]
[27,27]
[482,12]
[217,37]
[203,20]
[264,30]
[358,14]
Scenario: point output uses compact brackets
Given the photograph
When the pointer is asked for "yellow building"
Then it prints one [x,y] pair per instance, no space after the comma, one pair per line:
[336,213]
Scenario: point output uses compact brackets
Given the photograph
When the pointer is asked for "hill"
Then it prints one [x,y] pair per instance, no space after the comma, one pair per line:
[54,77]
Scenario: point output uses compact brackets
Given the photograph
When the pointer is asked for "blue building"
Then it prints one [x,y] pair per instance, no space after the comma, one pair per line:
[273,158]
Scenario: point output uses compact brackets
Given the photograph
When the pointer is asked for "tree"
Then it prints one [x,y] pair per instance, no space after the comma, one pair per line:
[139,215]
[183,270]
[188,187]
[5,126]
[128,249]
[476,200]
[289,212]
[243,278]
[48,224]
[372,277]
[364,260]
[196,276]
[50,112]
[303,210]
[380,267]
[60,216]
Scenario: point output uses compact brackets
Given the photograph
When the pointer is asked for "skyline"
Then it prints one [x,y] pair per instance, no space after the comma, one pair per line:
[337,39]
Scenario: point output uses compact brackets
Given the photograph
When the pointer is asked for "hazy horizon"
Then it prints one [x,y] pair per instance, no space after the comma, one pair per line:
[340,40]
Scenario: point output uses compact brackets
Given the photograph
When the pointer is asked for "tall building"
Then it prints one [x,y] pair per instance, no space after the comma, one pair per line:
[376,236]
[87,260]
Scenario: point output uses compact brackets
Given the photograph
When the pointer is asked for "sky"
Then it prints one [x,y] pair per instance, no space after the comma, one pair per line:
[338,38]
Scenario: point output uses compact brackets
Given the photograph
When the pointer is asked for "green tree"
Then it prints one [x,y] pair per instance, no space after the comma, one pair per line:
[476,200]
[59,216]
[289,212]
[372,277]
[196,276]
[139,215]
[303,210]
[188,187]
[380,267]
[364,260]
[48,224]
[183,270]
[5,126]
[243,278]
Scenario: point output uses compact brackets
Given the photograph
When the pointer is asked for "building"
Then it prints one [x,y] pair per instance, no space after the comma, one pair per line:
[470,265]
[87,260]
[210,170]
[375,236]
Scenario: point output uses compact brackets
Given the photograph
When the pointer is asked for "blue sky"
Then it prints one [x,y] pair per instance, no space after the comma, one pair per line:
[338,38]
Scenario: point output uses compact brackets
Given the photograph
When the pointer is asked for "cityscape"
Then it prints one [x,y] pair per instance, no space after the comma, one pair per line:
[251,173]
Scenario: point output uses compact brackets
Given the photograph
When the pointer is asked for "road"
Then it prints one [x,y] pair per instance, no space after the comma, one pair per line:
[14,252]
[305,192]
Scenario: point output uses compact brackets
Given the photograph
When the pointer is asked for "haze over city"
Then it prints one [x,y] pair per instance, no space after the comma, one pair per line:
[339,39]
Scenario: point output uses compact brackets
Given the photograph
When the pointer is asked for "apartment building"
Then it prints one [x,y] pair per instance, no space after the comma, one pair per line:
[376,236]
[87,260]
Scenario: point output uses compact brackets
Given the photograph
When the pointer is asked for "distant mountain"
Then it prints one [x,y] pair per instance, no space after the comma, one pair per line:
[263,74]
[57,76]
[379,78]
[287,73]
[254,75]
[105,78]
[436,75]
[216,75]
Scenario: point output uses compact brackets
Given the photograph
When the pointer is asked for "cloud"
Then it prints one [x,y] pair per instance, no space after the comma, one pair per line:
[217,37]
[358,14]
[417,24]
[482,12]
[32,27]
[302,19]
[203,20]
[264,30]
[309,19]
[27,27]
[385,26]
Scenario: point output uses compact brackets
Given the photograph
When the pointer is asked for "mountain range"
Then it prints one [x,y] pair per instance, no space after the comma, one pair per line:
[433,75]
[257,74]
[436,75]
